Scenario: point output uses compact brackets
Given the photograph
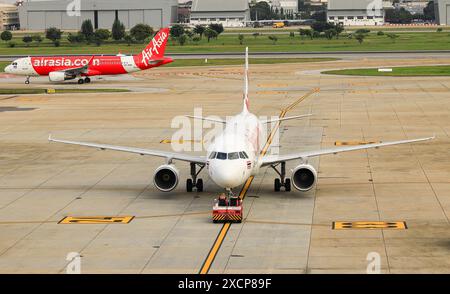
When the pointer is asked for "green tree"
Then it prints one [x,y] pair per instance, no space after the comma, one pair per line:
[339,28]
[118,30]
[27,40]
[322,26]
[428,11]
[330,33]
[218,27]
[182,39]
[273,38]
[54,35]
[176,31]
[128,38]
[6,36]
[392,36]
[398,16]
[210,34]
[196,39]
[261,10]
[102,34]
[199,30]
[360,37]
[241,39]
[305,32]
[256,34]
[37,38]
[87,29]
[141,31]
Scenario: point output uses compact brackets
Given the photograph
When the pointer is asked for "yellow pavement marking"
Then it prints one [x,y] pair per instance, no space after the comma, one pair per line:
[96,220]
[368,225]
[354,143]
[226,226]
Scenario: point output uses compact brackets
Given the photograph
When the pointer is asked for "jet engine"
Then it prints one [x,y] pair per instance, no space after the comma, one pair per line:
[166,177]
[60,76]
[304,177]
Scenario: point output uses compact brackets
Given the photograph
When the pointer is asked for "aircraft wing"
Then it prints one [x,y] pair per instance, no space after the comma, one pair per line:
[268,160]
[140,151]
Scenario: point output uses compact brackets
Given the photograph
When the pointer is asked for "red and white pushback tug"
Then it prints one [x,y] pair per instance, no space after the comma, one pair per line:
[227,209]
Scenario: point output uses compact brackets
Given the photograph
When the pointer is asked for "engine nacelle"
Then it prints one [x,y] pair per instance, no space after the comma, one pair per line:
[60,76]
[166,177]
[304,177]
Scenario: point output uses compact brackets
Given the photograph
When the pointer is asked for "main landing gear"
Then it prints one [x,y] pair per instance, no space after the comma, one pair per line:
[194,182]
[282,181]
[85,80]
[27,80]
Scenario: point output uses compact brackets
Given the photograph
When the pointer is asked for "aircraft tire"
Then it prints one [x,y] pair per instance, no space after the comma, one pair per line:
[277,185]
[199,185]
[189,185]
[80,81]
[287,185]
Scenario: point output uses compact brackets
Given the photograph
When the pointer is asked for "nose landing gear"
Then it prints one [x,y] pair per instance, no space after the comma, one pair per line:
[27,80]
[194,182]
[282,181]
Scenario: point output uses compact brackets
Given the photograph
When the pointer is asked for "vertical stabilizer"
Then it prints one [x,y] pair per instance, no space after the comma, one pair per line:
[246,101]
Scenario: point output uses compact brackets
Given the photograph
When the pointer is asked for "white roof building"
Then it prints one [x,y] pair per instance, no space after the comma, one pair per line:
[230,13]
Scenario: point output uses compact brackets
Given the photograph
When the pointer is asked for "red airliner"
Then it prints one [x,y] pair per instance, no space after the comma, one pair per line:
[63,68]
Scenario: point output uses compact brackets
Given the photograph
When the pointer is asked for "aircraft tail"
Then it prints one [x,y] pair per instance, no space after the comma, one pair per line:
[154,52]
[246,106]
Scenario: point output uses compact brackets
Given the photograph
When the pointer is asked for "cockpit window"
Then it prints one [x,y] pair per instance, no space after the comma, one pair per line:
[233,155]
[213,155]
[245,153]
[14,63]
[221,155]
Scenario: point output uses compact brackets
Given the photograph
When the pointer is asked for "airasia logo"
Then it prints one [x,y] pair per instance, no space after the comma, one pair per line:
[154,47]
[78,62]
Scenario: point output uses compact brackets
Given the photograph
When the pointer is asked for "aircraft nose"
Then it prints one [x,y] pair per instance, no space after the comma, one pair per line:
[227,175]
[8,69]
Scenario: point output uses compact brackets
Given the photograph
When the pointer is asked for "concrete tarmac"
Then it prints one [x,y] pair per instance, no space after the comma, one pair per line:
[41,183]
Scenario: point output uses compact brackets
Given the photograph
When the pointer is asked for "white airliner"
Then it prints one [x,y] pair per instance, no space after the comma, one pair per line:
[235,155]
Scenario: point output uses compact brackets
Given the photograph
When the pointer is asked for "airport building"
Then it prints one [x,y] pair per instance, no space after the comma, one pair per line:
[230,13]
[442,11]
[9,17]
[356,12]
[66,15]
